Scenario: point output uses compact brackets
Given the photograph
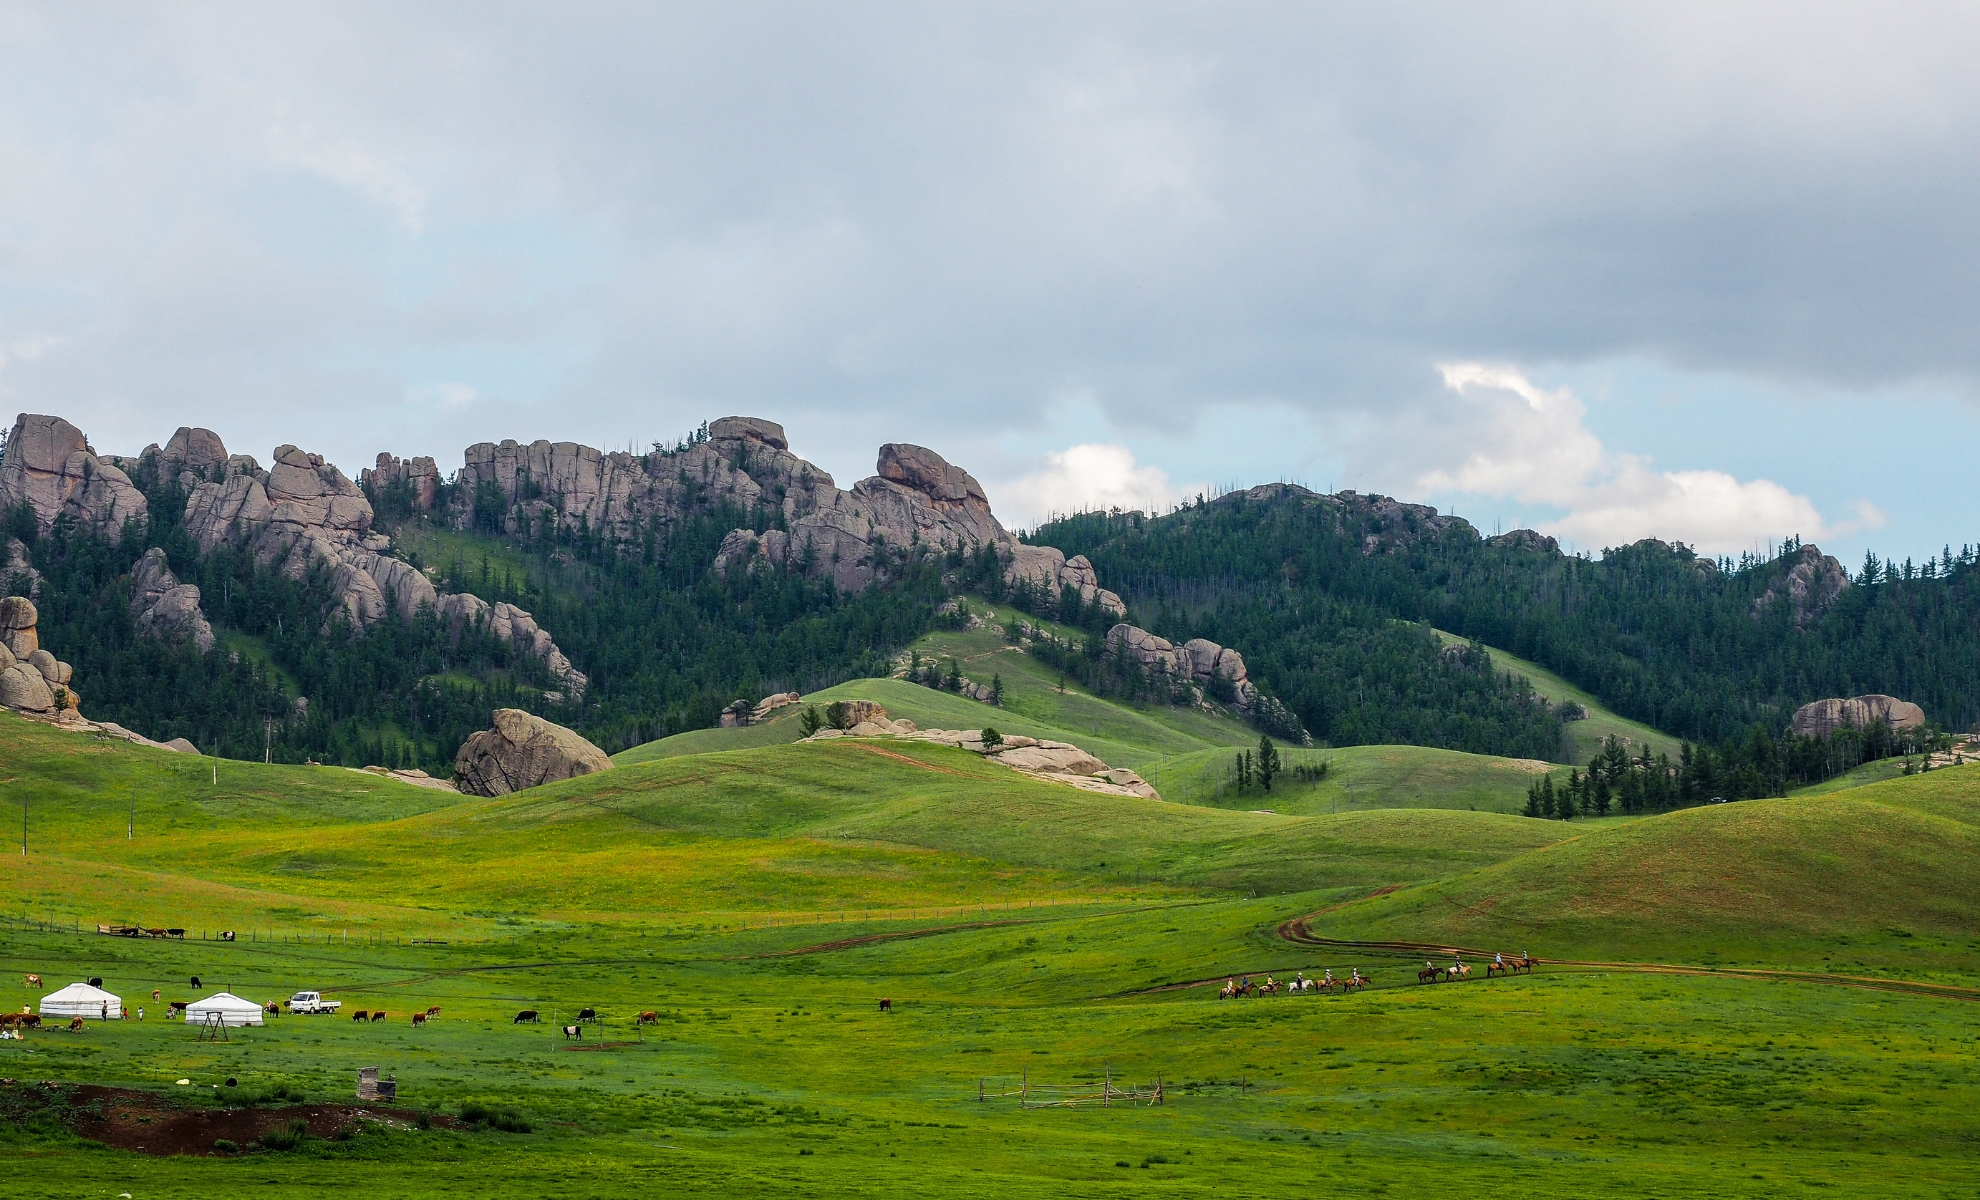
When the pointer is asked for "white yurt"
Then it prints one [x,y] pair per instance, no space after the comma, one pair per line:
[223,1008]
[82,1000]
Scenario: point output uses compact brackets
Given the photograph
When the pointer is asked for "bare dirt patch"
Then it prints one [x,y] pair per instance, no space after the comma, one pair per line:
[158,1124]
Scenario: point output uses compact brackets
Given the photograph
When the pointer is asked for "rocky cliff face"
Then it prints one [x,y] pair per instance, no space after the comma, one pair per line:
[1199,662]
[51,468]
[522,751]
[32,680]
[915,498]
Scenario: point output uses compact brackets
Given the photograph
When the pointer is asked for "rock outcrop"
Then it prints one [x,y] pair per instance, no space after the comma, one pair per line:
[522,751]
[303,512]
[1525,539]
[1198,663]
[1055,762]
[32,680]
[165,608]
[50,467]
[1810,586]
[1824,717]
[416,479]
[916,499]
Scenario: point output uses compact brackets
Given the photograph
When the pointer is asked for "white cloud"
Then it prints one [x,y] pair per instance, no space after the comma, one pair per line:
[1084,478]
[345,162]
[442,395]
[1521,441]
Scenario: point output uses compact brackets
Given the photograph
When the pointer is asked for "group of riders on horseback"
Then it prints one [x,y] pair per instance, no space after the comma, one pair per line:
[1460,969]
[1244,985]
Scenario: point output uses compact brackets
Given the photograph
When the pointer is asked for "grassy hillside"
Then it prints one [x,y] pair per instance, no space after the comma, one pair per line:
[1583,738]
[1358,777]
[759,900]
[1887,873]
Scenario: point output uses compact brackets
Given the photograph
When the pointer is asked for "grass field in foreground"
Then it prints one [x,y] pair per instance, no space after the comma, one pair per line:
[691,886]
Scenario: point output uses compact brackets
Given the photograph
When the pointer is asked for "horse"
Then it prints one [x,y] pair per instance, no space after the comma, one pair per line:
[1230,990]
[587,1014]
[1498,966]
[1429,975]
[1523,963]
[1354,982]
[419,1018]
[528,1015]
[1269,986]
[272,1008]
[886,1006]
[573,1031]
[1458,970]
[34,981]
[360,1015]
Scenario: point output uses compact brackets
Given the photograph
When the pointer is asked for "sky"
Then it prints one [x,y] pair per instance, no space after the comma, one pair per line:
[1700,272]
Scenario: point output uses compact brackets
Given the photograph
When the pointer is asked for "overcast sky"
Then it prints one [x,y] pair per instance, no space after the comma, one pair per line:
[1701,272]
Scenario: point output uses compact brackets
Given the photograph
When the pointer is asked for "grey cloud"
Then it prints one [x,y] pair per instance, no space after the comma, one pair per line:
[925,221]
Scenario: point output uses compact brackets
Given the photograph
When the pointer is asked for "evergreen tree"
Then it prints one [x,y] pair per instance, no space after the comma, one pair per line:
[1268,762]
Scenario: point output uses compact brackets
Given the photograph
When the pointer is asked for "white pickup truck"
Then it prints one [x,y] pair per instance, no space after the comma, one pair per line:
[312,1002]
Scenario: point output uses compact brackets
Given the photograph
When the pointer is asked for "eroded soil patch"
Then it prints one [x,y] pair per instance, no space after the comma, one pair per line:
[160,1124]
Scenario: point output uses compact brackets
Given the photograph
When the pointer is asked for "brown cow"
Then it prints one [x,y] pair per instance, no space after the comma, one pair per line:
[34,981]
[75,1024]
[176,1006]
[886,1005]
[434,1011]
[648,1018]
[378,1016]
[360,1015]
[419,1018]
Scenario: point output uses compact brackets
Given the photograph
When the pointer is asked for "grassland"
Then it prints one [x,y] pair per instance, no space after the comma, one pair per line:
[760,898]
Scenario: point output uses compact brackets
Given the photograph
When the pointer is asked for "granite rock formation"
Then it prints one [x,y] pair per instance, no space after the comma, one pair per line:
[32,680]
[1824,717]
[17,570]
[165,608]
[523,751]
[50,467]
[1198,663]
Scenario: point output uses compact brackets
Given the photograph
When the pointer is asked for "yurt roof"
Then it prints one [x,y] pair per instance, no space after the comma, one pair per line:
[82,993]
[224,1002]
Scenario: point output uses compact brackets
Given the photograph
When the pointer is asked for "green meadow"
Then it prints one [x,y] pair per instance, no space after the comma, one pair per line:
[759,896]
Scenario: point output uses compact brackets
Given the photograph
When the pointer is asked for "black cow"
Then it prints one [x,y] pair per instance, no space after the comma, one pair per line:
[527,1014]
[574,1031]
[96,981]
[886,1005]
[195,981]
[587,1014]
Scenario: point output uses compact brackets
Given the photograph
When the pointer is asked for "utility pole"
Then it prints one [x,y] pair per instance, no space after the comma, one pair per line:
[130,833]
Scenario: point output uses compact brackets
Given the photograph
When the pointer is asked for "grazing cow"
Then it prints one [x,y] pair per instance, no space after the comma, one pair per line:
[419,1018]
[96,981]
[434,1011]
[573,1031]
[34,981]
[527,1014]
[587,1014]
[75,1024]
[377,1016]
[157,933]
[886,1005]
[648,1018]
[30,1021]
[177,933]
[176,1007]
[360,1015]
[195,982]
[8,1019]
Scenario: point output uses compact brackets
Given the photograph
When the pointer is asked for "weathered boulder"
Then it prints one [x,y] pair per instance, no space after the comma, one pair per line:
[1824,717]
[522,751]
[50,467]
[1199,662]
[749,429]
[165,608]
[1810,586]
[1050,759]
[24,688]
[198,451]
[18,621]
[181,745]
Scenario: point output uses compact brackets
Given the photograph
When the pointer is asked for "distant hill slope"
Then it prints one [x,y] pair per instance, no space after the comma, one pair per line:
[1581,738]
[1889,869]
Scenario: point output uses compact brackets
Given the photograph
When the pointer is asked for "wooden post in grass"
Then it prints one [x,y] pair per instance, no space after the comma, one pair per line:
[1107,1088]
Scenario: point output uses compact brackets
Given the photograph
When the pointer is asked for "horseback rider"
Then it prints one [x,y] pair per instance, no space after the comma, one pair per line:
[1498,959]
[1355,974]
[1330,977]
